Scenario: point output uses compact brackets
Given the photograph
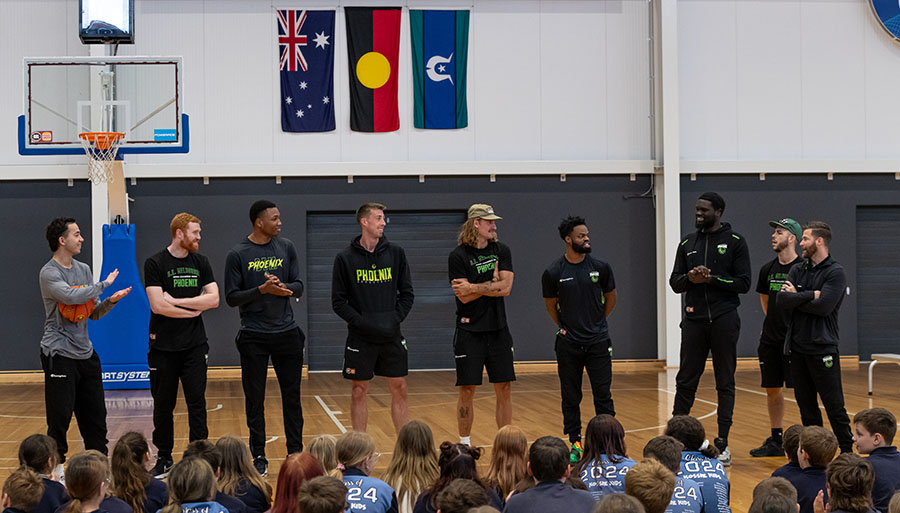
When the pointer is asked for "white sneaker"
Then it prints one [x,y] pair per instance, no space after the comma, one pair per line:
[725,457]
[59,474]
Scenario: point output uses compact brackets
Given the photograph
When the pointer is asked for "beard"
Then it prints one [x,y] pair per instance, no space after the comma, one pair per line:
[190,247]
[779,247]
[810,251]
[581,249]
[704,223]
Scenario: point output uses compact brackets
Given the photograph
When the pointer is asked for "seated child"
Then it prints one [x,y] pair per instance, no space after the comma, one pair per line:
[874,431]
[22,492]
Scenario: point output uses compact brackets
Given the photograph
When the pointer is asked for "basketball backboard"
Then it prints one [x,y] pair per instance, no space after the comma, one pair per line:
[138,96]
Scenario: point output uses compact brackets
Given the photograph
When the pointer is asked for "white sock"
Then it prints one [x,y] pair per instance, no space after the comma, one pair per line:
[466,440]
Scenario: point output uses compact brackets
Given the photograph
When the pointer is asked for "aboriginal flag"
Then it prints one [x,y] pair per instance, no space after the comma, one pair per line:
[373,48]
[440,47]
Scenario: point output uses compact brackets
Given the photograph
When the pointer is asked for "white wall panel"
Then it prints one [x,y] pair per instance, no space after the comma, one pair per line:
[708,79]
[509,70]
[882,93]
[240,121]
[573,75]
[628,80]
[833,68]
[768,79]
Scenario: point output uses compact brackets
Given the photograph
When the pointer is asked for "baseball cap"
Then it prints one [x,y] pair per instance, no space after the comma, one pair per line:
[788,224]
[482,211]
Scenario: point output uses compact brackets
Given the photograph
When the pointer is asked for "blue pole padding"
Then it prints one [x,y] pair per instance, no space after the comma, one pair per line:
[121,337]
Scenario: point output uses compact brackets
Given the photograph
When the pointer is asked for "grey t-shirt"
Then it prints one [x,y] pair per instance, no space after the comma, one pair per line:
[71,286]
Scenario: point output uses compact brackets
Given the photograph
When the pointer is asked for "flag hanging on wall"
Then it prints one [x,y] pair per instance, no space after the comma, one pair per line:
[306,48]
[440,49]
[373,48]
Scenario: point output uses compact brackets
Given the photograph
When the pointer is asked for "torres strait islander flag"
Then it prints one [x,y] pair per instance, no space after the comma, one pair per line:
[306,48]
[440,44]
[373,47]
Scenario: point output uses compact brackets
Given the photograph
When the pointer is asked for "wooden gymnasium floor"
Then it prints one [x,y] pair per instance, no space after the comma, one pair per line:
[643,399]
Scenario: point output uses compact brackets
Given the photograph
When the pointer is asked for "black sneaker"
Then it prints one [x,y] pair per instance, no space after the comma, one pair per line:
[261,465]
[768,449]
[162,467]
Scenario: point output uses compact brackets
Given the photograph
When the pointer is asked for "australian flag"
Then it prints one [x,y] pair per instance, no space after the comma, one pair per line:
[306,49]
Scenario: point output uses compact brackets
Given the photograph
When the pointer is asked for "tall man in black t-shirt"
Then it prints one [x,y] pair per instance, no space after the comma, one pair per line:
[774,366]
[180,286]
[262,274]
[580,293]
[372,290]
[813,294]
[481,274]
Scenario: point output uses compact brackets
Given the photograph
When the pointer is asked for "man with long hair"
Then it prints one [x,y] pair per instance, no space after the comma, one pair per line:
[481,274]
[580,293]
[262,274]
[372,290]
[73,382]
[180,286]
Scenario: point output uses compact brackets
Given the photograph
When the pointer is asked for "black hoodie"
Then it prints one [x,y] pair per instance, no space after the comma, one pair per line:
[814,322]
[725,253]
[372,291]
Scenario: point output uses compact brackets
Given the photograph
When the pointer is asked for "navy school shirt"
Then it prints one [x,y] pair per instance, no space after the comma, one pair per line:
[808,482]
[550,496]
[486,313]
[368,494]
[157,496]
[886,463]
[424,504]
[686,498]
[787,470]
[581,304]
[107,505]
[54,496]
[710,474]
[251,496]
[230,503]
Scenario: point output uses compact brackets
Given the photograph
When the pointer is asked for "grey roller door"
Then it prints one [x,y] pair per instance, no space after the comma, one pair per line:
[428,238]
[878,278]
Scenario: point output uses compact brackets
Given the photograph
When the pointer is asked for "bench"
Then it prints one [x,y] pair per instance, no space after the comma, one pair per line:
[881,358]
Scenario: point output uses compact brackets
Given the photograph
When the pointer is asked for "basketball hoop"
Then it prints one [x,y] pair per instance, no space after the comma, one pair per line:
[101,149]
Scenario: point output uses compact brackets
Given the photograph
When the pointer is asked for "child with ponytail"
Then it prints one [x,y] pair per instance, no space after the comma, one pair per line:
[87,478]
[699,462]
[356,458]
[39,453]
[192,487]
[131,481]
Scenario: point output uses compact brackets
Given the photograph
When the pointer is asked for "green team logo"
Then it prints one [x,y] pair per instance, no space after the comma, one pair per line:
[183,277]
[828,361]
[595,276]
[723,248]
[484,263]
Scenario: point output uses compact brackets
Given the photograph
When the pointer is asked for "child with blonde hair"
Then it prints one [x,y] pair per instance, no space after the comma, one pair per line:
[322,448]
[192,486]
[414,465]
[356,458]
[509,460]
[239,478]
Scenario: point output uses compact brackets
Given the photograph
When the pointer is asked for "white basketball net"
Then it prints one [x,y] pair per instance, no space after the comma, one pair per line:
[101,152]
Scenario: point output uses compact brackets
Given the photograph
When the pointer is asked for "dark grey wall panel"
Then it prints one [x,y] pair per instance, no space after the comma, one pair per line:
[751,203]
[877,250]
[26,208]
[623,233]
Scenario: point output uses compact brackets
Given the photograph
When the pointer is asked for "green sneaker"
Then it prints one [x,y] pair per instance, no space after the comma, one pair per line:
[575,453]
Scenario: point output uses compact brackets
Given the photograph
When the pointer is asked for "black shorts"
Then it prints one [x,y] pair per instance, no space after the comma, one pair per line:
[774,366]
[476,350]
[364,360]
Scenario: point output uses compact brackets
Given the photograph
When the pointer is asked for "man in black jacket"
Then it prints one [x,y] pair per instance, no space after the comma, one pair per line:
[814,293]
[372,290]
[712,266]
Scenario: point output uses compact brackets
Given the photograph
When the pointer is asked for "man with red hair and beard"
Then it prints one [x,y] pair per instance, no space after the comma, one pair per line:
[180,286]
[580,293]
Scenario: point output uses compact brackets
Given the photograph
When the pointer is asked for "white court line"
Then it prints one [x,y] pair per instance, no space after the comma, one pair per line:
[331,414]
[708,415]
[271,439]
[217,408]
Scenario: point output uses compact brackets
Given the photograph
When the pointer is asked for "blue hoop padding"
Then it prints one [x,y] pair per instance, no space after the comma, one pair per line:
[123,150]
[121,337]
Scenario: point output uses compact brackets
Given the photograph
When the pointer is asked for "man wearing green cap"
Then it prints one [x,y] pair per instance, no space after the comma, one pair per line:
[773,364]
[481,274]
